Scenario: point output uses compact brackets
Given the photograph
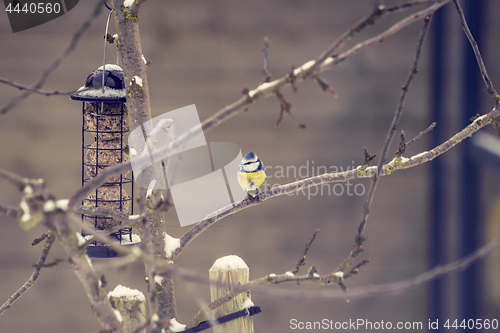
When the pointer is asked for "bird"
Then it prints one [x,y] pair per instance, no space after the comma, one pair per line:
[251,174]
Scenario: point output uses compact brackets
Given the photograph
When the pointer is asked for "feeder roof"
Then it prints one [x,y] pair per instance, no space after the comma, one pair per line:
[114,86]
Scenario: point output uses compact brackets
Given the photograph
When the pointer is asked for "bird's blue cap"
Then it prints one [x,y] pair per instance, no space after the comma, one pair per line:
[250,156]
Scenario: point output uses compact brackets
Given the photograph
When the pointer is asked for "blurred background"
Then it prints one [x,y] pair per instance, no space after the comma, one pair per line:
[206,53]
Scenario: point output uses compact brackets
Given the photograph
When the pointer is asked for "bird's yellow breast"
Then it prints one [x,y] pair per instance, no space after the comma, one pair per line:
[251,180]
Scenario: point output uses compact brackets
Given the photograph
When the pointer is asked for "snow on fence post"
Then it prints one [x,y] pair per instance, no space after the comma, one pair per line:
[130,307]
[230,271]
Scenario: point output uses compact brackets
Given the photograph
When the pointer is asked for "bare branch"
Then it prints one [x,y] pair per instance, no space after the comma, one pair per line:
[46,74]
[360,172]
[355,269]
[359,238]
[105,212]
[37,91]
[269,89]
[376,13]
[83,269]
[9,211]
[18,181]
[393,287]
[489,85]
[334,60]
[302,260]
[324,85]
[368,158]
[97,181]
[404,145]
[358,292]
[263,91]
[28,284]
[267,74]
[419,135]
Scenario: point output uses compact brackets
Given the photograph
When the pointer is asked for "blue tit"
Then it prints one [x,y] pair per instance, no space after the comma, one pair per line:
[251,174]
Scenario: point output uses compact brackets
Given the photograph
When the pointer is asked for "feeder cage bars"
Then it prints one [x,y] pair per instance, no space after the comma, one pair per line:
[105,121]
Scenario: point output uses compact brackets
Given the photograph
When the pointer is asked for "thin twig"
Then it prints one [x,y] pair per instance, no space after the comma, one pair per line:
[263,91]
[368,158]
[105,212]
[355,269]
[36,241]
[419,135]
[97,181]
[269,89]
[360,292]
[359,238]
[403,145]
[267,74]
[204,313]
[334,60]
[37,91]
[302,260]
[46,74]
[103,236]
[18,181]
[407,5]
[54,263]
[28,284]
[388,288]
[360,172]
[376,13]
[489,85]
[9,211]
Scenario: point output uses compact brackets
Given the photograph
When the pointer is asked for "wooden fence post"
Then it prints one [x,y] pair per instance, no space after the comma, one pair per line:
[230,271]
[131,306]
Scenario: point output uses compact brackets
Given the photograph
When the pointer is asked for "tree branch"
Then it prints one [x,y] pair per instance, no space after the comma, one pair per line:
[46,74]
[393,287]
[37,91]
[264,90]
[489,85]
[105,212]
[39,207]
[302,259]
[375,14]
[9,211]
[360,172]
[152,229]
[359,238]
[28,284]
[359,292]
[18,181]
[83,269]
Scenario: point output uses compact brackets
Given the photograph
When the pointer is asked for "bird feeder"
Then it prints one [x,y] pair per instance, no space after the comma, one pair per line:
[103,145]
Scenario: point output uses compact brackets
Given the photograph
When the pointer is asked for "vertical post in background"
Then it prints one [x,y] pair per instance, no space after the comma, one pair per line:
[471,219]
[438,192]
